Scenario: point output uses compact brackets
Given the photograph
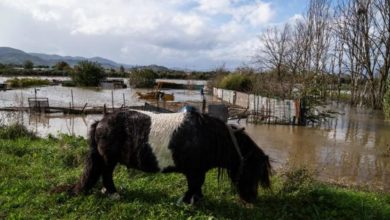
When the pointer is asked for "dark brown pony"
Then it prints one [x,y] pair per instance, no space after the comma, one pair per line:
[189,143]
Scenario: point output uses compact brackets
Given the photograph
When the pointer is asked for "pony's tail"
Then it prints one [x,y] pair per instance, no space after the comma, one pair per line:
[266,172]
[93,165]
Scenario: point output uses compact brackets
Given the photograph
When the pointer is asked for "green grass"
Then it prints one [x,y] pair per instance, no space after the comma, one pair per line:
[32,168]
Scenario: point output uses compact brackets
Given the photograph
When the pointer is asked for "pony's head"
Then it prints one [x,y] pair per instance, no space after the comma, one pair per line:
[255,168]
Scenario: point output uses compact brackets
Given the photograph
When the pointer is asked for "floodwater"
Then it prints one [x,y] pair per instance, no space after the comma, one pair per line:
[62,96]
[352,149]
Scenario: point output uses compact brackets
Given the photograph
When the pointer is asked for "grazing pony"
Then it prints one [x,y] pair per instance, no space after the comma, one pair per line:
[187,142]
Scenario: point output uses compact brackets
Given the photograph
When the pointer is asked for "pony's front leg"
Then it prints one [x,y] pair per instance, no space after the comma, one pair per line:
[194,192]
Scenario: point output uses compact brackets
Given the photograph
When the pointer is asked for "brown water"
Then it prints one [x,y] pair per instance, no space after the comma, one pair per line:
[352,149]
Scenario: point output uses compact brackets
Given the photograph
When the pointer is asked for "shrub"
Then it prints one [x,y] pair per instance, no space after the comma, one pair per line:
[27,82]
[142,78]
[68,83]
[14,131]
[235,81]
[28,64]
[62,65]
[269,84]
[87,73]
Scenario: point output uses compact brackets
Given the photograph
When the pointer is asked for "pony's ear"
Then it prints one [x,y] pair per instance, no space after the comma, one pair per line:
[236,128]
[240,129]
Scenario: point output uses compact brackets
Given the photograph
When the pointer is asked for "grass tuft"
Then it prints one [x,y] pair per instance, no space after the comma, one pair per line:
[72,150]
[297,179]
[15,131]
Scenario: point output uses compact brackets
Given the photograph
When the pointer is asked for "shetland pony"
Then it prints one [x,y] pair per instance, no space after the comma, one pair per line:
[188,142]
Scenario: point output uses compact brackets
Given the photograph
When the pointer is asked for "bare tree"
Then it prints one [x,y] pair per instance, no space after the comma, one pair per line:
[275,49]
[382,43]
[355,40]
[346,27]
[363,27]
[318,32]
[299,47]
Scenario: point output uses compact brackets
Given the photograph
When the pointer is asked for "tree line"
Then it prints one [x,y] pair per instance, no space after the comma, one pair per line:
[62,68]
[331,42]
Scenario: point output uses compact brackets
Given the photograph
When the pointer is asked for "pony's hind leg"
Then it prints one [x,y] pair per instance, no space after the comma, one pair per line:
[108,182]
[92,170]
[194,192]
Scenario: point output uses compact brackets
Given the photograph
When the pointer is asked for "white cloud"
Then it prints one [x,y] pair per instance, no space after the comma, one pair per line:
[259,14]
[139,31]
[215,6]
[255,13]
[295,18]
[45,16]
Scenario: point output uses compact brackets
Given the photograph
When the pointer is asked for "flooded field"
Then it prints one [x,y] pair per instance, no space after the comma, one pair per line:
[61,96]
[353,148]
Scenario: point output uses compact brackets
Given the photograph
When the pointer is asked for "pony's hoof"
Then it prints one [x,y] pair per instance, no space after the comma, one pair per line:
[180,201]
[115,196]
[193,201]
[75,190]
[245,204]
[249,206]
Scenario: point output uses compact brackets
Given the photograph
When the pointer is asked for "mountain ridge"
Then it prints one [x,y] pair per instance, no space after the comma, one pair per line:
[9,55]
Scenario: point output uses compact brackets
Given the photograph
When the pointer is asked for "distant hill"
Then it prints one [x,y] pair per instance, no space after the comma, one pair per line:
[10,55]
[155,68]
[13,56]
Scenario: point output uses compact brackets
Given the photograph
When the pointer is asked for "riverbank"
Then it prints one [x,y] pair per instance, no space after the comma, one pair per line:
[31,169]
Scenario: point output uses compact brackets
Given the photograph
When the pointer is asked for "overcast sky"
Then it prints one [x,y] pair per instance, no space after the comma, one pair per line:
[194,34]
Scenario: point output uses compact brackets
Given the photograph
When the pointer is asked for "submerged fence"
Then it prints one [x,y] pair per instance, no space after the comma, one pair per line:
[263,109]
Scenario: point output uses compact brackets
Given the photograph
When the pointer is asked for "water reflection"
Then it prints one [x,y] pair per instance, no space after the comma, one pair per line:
[45,124]
[61,96]
[352,148]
